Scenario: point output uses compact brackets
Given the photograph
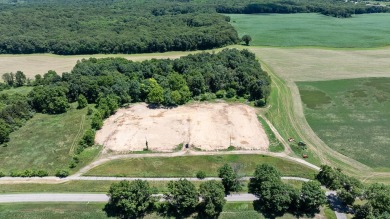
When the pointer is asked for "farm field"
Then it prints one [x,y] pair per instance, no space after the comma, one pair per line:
[54,138]
[291,30]
[188,166]
[206,126]
[95,210]
[351,116]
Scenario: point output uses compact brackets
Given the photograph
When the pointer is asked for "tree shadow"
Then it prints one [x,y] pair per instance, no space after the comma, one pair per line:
[259,206]
[167,211]
[159,106]
[337,205]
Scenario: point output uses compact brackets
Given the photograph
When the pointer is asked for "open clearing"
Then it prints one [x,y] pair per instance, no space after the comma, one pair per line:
[351,116]
[45,142]
[206,126]
[303,29]
[188,166]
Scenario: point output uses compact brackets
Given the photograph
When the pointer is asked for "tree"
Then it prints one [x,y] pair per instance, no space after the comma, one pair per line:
[8,78]
[156,92]
[4,131]
[182,197]
[97,121]
[229,178]
[20,79]
[378,195]
[81,101]
[62,173]
[89,137]
[312,197]
[130,199]
[246,39]
[213,198]
[263,173]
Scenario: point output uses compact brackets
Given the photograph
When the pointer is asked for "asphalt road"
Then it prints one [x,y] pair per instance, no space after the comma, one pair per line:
[77,197]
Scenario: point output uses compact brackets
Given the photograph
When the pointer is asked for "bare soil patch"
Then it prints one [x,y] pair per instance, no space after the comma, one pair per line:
[206,126]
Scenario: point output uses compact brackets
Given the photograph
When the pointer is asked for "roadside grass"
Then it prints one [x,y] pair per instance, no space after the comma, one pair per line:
[95,210]
[274,144]
[351,117]
[100,186]
[45,142]
[188,166]
[18,90]
[304,29]
[52,210]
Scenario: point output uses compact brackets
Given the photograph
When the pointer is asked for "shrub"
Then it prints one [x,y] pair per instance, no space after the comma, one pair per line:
[200,175]
[62,173]
[82,102]
[2,174]
[42,173]
[221,94]
[231,93]
[90,111]
[260,103]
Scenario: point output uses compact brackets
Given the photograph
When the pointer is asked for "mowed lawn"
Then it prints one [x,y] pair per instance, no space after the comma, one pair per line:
[95,211]
[188,166]
[45,142]
[360,31]
[351,116]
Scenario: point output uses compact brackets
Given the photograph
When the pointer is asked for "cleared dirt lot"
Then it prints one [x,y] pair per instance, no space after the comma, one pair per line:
[208,126]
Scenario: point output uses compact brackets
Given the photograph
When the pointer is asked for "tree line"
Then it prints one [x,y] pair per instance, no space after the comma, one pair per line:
[274,197]
[135,199]
[335,8]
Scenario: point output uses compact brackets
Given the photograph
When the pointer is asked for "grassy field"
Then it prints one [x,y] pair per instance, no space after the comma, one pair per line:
[274,144]
[46,142]
[19,90]
[352,117]
[95,211]
[188,166]
[360,31]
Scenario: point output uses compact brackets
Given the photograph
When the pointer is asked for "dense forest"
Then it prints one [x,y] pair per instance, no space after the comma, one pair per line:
[87,27]
[113,82]
[336,8]
[97,26]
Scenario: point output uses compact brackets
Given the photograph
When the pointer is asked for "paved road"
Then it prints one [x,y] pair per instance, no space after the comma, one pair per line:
[76,197]
[337,205]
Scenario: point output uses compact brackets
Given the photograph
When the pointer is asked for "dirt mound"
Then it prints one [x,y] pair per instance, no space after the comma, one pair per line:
[202,125]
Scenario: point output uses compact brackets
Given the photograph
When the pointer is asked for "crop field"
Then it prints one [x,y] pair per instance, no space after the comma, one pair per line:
[188,166]
[45,142]
[312,64]
[286,30]
[351,116]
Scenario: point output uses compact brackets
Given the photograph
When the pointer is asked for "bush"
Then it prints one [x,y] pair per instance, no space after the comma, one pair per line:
[97,121]
[82,102]
[62,173]
[2,174]
[29,173]
[260,103]
[221,94]
[89,137]
[231,93]
[90,111]
[42,173]
[200,175]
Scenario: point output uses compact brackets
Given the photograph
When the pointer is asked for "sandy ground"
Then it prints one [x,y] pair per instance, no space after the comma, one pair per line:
[202,125]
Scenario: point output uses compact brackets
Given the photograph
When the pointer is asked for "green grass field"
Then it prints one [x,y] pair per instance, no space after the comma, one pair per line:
[95,211]
[352,117]
[360,31]
[45,142]
[188,166]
